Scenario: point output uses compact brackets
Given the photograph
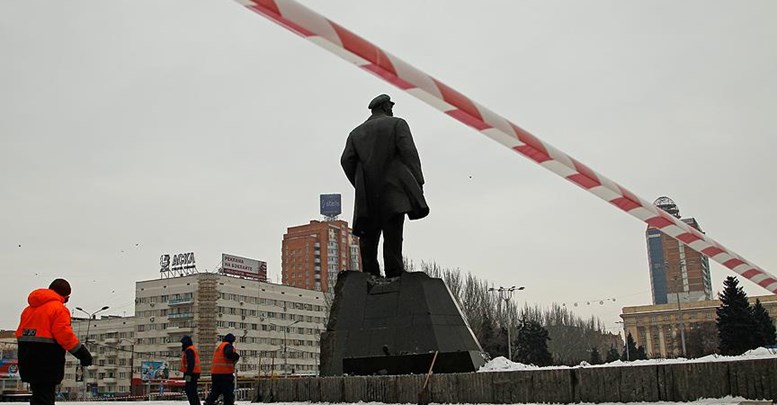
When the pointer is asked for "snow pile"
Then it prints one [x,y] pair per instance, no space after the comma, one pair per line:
[502,364]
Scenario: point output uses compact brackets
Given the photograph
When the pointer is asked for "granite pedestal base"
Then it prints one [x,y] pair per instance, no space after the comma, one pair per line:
[394,326]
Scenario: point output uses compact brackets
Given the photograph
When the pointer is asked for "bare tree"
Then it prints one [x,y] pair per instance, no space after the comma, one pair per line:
[571,337]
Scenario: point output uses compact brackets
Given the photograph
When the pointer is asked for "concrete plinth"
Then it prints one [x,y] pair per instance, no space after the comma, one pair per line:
[394,326]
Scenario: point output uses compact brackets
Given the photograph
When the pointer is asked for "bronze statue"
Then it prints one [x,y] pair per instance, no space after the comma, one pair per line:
[381,162]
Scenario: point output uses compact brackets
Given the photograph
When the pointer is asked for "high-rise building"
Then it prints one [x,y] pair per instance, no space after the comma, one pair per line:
[677,272]
[313,254]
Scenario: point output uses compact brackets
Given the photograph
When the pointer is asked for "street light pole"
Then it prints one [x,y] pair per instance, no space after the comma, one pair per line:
[90,316]
[285,352]
[682,325]
[506,294]
[132,361]
[676,279]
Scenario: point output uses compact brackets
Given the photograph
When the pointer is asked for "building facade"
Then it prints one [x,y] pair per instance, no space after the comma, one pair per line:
[277,327]
[110,339]
[313,254]
[661,329]
[676,271]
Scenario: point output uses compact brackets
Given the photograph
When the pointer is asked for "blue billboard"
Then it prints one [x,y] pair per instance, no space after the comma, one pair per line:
[154,370]
[331,205]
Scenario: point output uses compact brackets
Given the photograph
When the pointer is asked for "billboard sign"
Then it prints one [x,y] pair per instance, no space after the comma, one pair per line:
[243,267]
[9,368]
[331,205]
[154,370]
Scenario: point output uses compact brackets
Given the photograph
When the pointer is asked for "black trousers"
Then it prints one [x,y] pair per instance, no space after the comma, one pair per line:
[223,384]
[42,394]
[391,228]
[191,391]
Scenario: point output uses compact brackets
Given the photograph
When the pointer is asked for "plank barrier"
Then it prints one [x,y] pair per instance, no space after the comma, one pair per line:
[750,379]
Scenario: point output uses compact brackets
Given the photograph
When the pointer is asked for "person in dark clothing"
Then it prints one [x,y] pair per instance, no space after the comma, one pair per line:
[190,367]
[43,335]
[222,372]
[381,162]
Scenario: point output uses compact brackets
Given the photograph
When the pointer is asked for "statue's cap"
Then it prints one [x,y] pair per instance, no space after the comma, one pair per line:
[377,101]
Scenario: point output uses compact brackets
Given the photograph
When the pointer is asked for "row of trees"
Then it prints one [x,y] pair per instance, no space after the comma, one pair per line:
[555,335]
[540,336]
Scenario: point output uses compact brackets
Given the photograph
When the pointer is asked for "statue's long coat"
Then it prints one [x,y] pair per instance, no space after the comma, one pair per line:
[381,162]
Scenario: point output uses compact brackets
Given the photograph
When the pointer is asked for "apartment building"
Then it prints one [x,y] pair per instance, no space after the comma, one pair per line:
[278,327]
[313,254]
[111,340]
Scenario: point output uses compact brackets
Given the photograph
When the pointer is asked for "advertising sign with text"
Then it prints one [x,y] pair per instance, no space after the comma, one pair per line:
[243,267]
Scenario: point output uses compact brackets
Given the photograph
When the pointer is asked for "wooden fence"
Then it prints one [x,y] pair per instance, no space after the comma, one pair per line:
[750,379]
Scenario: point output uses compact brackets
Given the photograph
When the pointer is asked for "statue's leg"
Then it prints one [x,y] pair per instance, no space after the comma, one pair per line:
[392,245]
[368,246]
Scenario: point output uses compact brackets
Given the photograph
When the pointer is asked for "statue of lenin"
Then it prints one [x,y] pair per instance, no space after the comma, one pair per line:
[381,162]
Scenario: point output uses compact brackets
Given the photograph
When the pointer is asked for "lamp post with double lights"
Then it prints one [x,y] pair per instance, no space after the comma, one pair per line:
[506,294]
[90,317]
[285,344]
[285,347]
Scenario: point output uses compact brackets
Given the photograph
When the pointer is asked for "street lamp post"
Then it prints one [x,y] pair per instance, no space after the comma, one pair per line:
[682,326]
[625,339]
[285,344]
[90,316]
[676,278]
[506,294]
[132,361]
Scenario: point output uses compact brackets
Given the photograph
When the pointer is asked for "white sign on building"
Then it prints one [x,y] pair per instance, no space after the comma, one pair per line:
[243,267]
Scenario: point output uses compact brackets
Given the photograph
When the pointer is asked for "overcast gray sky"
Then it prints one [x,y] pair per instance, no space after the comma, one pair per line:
[200,126]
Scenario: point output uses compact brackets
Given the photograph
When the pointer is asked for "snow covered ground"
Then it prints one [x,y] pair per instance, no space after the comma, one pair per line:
[502,364]
[721,401]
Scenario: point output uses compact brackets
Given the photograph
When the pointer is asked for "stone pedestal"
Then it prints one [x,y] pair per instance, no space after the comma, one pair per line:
[394,326]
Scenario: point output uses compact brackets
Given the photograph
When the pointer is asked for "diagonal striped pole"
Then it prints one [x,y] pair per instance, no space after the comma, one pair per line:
[351,47]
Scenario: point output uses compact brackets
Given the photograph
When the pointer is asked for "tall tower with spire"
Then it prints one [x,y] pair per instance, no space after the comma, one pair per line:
[676,271]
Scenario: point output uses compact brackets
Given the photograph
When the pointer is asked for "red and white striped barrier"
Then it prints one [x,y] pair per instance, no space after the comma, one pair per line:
[338,40]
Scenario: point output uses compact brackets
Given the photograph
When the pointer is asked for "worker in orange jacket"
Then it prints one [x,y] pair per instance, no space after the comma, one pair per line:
[44,334]
[190,367]
[222,372]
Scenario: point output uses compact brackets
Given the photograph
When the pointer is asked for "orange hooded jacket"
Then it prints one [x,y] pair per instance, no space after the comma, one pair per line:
[44,334]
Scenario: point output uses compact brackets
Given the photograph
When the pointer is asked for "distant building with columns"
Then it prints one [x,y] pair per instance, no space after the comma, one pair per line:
[657,327]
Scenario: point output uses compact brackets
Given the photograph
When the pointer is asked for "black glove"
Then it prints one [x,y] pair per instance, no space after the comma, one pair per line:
[187,377]
[83,354]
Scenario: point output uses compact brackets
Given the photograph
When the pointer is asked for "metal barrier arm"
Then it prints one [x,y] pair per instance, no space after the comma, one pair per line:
[338,40]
